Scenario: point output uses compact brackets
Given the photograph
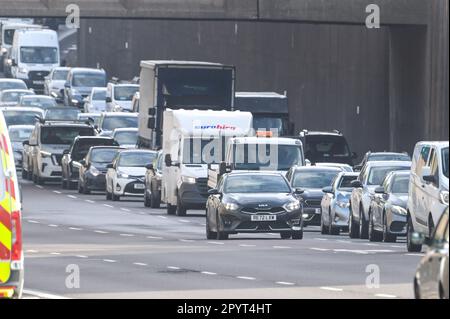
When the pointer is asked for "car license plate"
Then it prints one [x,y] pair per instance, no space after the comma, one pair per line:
[139,186]
[264,218]
[38,82]
[318,211]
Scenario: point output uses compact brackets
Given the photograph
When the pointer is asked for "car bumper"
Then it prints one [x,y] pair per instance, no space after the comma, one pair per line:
[193,195]
[13,285]
[95,183]
[127,187]
[49,170]
[341,216]
[396,224]
[239,222]
[311,215]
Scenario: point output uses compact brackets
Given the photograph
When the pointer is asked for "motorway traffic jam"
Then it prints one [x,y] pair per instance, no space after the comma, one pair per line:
[179,142]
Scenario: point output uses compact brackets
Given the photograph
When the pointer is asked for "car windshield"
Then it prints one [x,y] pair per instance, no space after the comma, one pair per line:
[310,179]
[377,174]
[66,114]
[445,162]
[20,134]
[12,85]
[267,157]
[125,93]
[80,151]
[21,117]
[388,157]
[88,80]
[136,159]
[345,182]
[400,185]
[99,95]
[112,122]
[60,75]
[13,96]
[256,184]
[41,102]
[320,148]
[83,117]
[126,137]
[103,156]
[63,135]
[41,55]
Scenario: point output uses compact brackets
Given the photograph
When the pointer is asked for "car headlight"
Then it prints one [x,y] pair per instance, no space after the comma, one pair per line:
[342,204]
[46,154]
[4,50]
[399,210]
[444,197]
[292,206]
[122,175]
[231,206]
[74,101]
[188,179]
[94,171]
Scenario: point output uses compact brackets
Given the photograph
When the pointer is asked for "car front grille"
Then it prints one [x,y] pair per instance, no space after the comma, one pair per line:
[253,210]
[202,185]
[37,75]
[313,203]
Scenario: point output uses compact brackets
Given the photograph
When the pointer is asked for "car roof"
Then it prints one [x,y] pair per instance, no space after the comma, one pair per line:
[23,109]
[333,133]
[126,129]
[126,151]
[61,68]
[243,173]
[11,80]
[106,114]
[317,168]
[388,163]
[124,84]
[20,127]
[107,147]
[438,144]
[56,123]
[96,137]
[265,140]
[17,90]
[386,153]
[87,70]
[37,97]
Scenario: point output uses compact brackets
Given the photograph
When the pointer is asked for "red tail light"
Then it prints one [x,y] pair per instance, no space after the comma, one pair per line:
[16,250]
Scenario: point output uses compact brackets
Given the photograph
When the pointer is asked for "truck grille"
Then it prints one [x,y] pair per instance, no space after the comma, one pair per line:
[202,184]
[37,75]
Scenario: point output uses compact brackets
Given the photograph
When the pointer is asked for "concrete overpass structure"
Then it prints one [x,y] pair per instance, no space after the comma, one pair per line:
[385,87]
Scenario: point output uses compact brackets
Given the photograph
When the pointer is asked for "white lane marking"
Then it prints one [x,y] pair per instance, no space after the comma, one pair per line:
[412,254]
[246,245]
[33,222]
[39,186]
[173,267]
[272,234]
[184,221]
[109,206]
[215,243]
[100,232]
[331,289]
[163,217]
[385,296]
[31,251]
[55,254]
[42,295]
[209,273]
[281,247]
[126,235]
[246,278]
[109,261]
[125,209]
[370,244]
[57,192]
[140,264]
[52,225]
[320,249]
[284,283]
[343,241]
[81,256]
[396,246]
[75,228]
[154,237]
[323,239]
[71,196]
[203,224]
[90,201]
[186,240]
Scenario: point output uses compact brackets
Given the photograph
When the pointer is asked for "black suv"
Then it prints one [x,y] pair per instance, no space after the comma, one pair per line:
[78,150]
[326,147]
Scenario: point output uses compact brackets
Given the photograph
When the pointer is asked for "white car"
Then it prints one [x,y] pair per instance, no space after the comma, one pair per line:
[119,97]
[12,84]
[428,189]
[54,82]
[126,137]
[96,101]
[109,121]
[126,174]
[12,97]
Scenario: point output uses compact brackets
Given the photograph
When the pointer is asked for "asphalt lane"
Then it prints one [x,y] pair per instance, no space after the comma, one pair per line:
[124,250]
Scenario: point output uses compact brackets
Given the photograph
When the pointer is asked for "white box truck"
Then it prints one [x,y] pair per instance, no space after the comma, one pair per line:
[33,55]
[192,140]
[180,85]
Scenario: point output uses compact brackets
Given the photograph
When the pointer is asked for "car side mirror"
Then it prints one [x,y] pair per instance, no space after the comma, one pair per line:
[108,100]
[13,62]
[356,184]
[379,190]
[149,167]
[213,191]
[110,165]
[82,162]
[168,160]
[24,143]
[299,191]
[65,152]
[328,190]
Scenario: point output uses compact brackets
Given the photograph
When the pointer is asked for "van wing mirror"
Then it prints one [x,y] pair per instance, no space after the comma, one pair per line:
[379,190]
[151,123]
[356,184]
[168,160]
[110,165]
[108,100]
[328,190]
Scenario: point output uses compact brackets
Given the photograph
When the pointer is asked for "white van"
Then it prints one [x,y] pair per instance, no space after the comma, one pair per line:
[33,55]
[428,189]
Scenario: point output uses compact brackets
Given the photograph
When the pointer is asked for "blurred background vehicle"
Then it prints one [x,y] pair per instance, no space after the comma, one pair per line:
[126,137]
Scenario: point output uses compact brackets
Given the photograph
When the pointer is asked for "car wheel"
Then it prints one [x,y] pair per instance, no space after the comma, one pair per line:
[108,195]
[115,198]
[24,174]
[80,188]
[155,199]
[323,228]
[297,234]
[285,235]
[85,190]
[63,183]
[171,209]
[209,233]
[374,235]
[387,236]
[181,210]
[412,248]
[333,230]
[353,227]
[147,200]
[430,226]
[416,289]
[363,226]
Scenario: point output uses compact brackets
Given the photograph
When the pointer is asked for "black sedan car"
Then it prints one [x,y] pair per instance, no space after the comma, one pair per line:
[312,180]
[93,168]
[250,202]
[388,212]
[70,162]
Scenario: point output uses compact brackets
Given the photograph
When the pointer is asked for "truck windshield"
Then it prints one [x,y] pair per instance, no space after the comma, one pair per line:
[63,135]
[203,151]
[41,55]
[263,123]
[445,162]
[125,93]
[267,157]
[89,80]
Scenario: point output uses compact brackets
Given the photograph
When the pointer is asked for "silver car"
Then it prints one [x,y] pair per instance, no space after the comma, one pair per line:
[431,280]
[335,204]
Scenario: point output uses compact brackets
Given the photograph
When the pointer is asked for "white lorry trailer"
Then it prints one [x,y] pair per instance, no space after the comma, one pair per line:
[192,140]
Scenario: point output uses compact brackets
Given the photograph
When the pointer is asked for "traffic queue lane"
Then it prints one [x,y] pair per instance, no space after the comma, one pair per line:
[124,250]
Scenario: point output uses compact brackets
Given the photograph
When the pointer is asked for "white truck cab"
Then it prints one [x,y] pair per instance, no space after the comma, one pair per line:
[192,140]
[34,54]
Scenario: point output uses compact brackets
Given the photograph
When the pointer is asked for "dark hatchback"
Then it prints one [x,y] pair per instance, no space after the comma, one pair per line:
[92,176]
[311,180]
[250,202]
